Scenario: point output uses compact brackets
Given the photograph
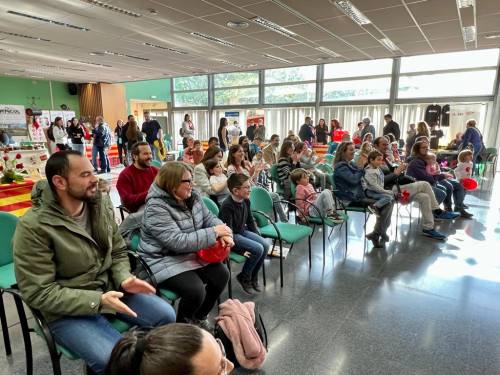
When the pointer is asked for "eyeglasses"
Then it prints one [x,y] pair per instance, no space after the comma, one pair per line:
[190,181]
[248,187]
[224,359]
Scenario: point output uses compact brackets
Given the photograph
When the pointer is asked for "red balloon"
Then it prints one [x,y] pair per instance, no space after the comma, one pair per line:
[469,184]
[214,254]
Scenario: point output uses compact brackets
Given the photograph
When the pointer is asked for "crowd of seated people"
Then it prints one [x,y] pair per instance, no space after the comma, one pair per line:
[176,223]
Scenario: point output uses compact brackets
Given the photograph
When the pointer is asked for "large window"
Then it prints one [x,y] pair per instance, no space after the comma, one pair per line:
[448,61]
[236,88]
[358,69]
[468,83]
[366,89]
[191,91]
[290,85]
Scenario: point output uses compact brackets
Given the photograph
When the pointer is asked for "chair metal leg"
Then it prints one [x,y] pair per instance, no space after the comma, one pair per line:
[324,244]
[26,334]
[281,262]
[310,252]
[264,271]
[5,327]
[229,283]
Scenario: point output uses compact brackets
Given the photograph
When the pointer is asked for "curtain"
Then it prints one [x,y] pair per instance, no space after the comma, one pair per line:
[349,116]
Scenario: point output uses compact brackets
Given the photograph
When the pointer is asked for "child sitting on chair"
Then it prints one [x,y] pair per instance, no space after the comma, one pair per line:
[235,212]
[197,152]
[305,195]
[373,183]
[258,159]
[432,167]
[218,180]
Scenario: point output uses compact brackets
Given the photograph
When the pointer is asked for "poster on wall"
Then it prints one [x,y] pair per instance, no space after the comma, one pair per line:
[254,115]
[54,114]
[13,120]
[234,129]
[67,116]
[459,115]
[36,133]
[44,119]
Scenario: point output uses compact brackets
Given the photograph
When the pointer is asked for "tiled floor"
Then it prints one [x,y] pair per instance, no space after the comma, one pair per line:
[418,306]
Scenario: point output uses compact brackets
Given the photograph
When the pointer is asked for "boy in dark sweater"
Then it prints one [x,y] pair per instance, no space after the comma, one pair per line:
[236,214]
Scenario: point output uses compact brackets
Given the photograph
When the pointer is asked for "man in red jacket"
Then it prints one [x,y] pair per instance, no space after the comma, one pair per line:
[134,181]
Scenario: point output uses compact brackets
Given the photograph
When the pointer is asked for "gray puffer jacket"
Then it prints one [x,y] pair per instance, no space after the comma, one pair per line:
[171,233]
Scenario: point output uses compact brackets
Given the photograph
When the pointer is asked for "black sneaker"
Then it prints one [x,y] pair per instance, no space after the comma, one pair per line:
[246,284]
[256,286]
[465,214]
[385,237]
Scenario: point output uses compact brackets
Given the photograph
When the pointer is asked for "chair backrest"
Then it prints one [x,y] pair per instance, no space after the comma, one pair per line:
[212,207]
[168,137]
[260,200]
[492,151]
[327,169]
[274,174]
[156,163]
[329,158]
[8,224]
[293,187]
[134,242]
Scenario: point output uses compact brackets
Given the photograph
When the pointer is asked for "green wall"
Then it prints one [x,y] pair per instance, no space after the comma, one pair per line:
[19,91]
[143,90]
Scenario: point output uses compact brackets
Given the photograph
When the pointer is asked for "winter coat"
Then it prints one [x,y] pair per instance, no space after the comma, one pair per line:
[237,321]
[418,170]
[202,181]
[171,234]
[374,180]
[348,181]
[60,268]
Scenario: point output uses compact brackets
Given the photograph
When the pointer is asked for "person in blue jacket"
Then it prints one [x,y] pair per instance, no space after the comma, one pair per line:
[473,135]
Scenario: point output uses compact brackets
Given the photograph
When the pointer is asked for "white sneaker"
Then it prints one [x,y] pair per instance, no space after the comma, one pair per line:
[120,165]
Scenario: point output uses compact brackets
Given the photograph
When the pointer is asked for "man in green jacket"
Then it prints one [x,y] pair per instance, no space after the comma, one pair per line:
[71,263]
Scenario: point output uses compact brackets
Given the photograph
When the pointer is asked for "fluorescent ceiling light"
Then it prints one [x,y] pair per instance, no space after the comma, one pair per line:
[465,3]
[90,63]
[112,8]
[233,64]
[351,11]
[25,36]
[125,55]
[469,33]
[47,20]
[274,27]
[165,48]
[388,44]
[277,59]
[63,67]
[237,24]
[328,51]
[212,39]
[492,36]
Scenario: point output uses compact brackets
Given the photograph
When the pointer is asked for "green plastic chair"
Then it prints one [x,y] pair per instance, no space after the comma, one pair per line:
[8,224]
[167,138]
[157,163]
[276,179]
[262,205]
[233,256]
[322,221]
[329,159]
[328,170]
[491,160]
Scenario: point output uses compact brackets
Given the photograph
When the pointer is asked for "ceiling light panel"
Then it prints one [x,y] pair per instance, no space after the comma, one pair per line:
[389,44]
[63,67]
[90,63]
[351,11]
[52,22]
[328,51]
[469,33]
[103,5]
[212,39]
[24,36]
[465,3]
[165,48]
[274,27]
[277,59]
[125,55]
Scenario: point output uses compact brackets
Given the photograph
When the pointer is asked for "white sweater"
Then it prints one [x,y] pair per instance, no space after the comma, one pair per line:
[60,135]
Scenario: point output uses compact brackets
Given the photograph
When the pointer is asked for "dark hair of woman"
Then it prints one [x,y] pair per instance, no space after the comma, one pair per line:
[415,150]
[165,350]
[211,164]
[222,122]
[132,131]
[240,139]
[340,152]
[211,153]
[230,158]
[186,116]
[299,147]
[284,148]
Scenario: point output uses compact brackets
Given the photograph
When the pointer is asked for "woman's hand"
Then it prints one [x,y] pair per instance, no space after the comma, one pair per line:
[227,241]
[223,230]
[260,167]
[296,157]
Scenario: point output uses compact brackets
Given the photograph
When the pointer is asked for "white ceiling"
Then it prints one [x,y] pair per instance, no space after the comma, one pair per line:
[415,26]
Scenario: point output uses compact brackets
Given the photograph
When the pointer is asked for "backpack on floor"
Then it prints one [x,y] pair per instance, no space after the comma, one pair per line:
[228,345]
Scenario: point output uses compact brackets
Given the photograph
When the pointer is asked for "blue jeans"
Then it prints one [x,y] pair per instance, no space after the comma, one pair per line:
[382,199]
[440,193]
[79,147]
[94,157]
[455,189]
[257,247]
[92,337]
[154,151]
[104,159]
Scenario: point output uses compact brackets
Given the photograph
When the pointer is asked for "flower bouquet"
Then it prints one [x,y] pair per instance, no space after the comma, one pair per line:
[9,168]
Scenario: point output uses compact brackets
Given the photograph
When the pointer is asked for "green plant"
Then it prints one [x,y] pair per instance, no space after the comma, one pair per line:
[9,167]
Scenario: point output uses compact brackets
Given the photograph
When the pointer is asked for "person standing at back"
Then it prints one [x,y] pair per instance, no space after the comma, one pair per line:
[306,133]
[391,127]
[122,150]
[101,136]
[77,134]
[187,130]
[152,129]
[367,128]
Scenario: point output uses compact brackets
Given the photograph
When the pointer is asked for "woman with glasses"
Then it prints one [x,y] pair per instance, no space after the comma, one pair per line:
[176,224]
[174,349]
